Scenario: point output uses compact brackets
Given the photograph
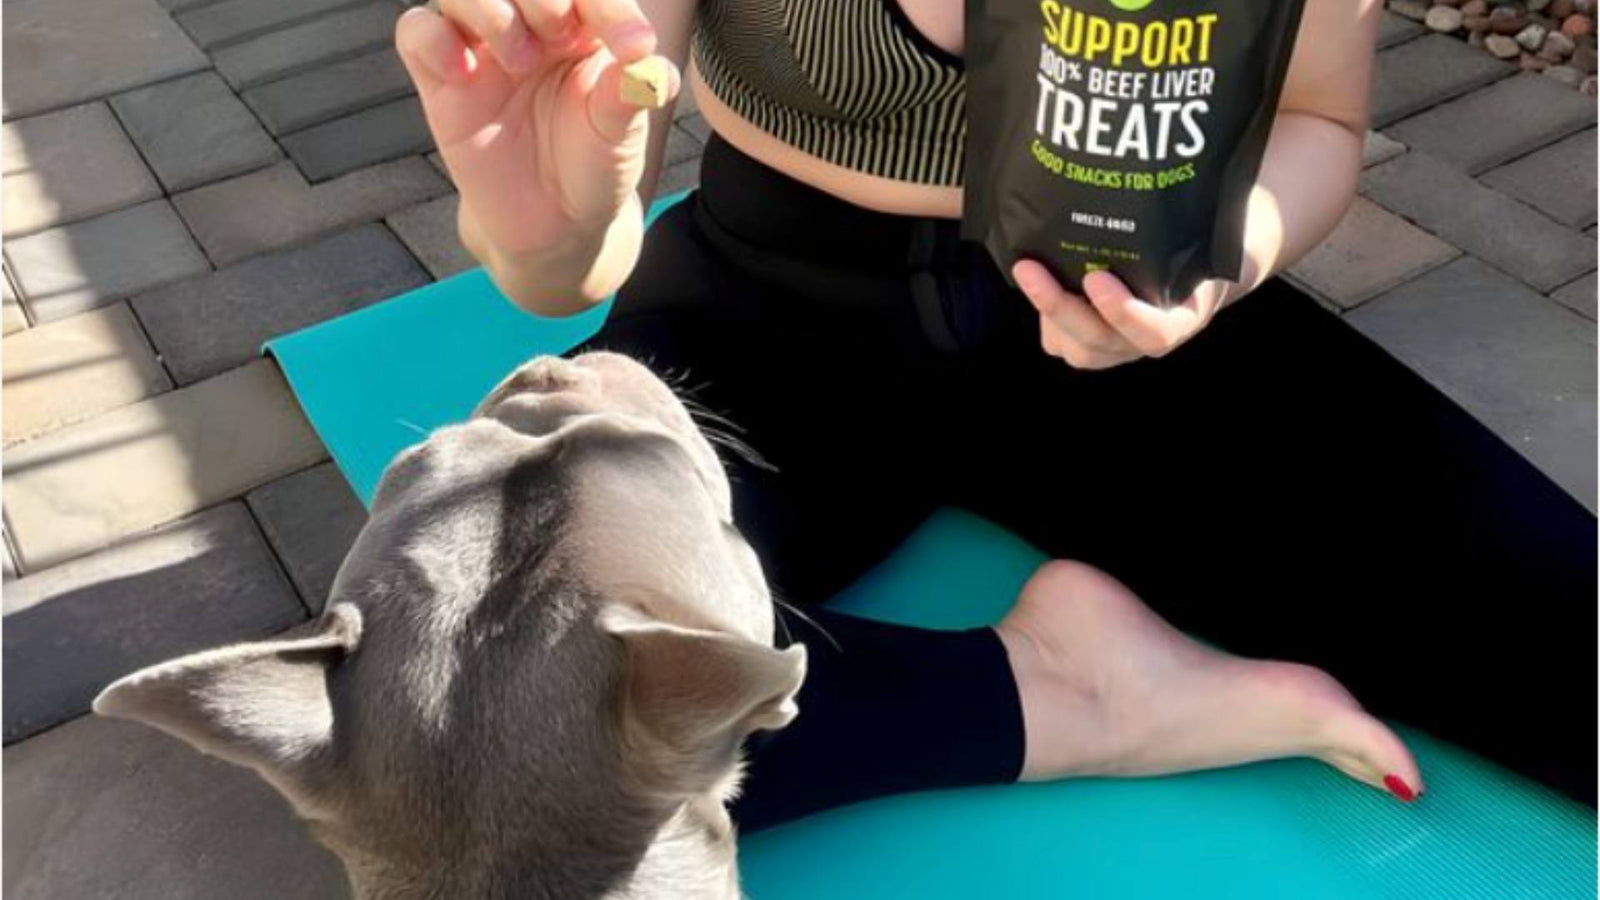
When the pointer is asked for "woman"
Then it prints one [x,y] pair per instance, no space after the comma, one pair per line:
[1265,479]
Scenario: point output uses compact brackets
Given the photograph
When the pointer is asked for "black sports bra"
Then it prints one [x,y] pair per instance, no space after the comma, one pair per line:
[850,81]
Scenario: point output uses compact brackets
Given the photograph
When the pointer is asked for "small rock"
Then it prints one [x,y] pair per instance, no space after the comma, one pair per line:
[1557,47]
[1577,25]
[1532,37]
[1448,2]
[1585,7]
[1507,20]
[1584,60]
[1416,10]
[1477,25]
[1475,8]
[1589,86]
[1531,63]
[1502,46]
[1567,75]
[1444,19]
[1475,38]
[1560,9]
[1535,6]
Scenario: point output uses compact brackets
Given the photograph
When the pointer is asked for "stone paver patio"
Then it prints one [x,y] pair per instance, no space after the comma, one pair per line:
[186,178]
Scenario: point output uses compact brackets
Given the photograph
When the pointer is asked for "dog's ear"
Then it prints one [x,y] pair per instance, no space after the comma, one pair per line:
[700,693]
[264,705]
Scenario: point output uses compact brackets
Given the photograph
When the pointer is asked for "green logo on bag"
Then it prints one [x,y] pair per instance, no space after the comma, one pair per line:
[1131,5]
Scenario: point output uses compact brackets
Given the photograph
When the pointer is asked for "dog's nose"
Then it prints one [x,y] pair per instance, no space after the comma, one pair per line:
[546,375]
[542,377]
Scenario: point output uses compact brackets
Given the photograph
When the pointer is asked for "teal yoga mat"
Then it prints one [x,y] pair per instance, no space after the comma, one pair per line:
[377,380]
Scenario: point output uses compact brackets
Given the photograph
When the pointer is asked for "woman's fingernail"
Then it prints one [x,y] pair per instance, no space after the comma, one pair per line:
[1399,788]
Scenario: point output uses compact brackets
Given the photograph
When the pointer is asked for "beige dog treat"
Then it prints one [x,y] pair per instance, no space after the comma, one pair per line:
[645,83]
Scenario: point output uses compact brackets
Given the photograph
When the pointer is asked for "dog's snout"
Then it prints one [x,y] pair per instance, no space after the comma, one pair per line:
[547,375]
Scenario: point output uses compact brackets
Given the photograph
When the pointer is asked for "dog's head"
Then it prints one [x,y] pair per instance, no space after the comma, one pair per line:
[537,664]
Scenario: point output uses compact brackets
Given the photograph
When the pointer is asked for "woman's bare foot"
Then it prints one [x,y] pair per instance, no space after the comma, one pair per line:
[1108,688]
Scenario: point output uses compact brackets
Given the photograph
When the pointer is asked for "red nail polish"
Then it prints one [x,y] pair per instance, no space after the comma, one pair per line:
[1399,788]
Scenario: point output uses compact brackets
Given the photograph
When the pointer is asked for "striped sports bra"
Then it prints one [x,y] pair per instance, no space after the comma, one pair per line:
[850,81]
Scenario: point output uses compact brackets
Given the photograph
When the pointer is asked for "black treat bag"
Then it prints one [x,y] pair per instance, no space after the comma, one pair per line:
[1120,134]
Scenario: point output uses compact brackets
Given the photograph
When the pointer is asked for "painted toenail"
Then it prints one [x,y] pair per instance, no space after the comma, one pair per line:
[1399,788]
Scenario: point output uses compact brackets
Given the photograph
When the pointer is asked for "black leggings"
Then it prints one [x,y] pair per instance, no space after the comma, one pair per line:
[1279,486]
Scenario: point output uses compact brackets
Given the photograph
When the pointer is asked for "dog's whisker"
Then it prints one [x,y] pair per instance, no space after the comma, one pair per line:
[702,414]
[738,448]
[783,624]
[674,378]
[689,397]
[799,613]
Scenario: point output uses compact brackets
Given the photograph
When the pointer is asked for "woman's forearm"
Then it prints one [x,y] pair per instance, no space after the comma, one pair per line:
[1308,178]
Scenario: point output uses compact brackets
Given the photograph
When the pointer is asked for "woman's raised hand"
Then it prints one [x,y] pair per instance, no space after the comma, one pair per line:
[524,102]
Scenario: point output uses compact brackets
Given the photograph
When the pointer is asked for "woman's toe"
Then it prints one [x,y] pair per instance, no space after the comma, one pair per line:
[1369,751]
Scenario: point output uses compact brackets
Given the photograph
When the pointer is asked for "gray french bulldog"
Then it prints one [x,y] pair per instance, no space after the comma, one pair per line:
[537,665]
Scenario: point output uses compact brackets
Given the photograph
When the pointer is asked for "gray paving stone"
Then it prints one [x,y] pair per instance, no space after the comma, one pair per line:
[14,318]
[209,324]
[1520,364]
[1500,122]
[69,165]
[1481,221]
[78,267]
[115,809]
[235,20]
[1371,251]
[311,519]
[1417,74]
[313,97]
[1579,296]
[680,177]
[380,133]
[429,232]
[61,52]
[1393,29]
[696,126]
[194,130]
[73,629]
[685,105]
[682,146]
[126,471]
[276,207]
[177,6]
[1379,148]
[1558,180]
[69,370]
[279,53]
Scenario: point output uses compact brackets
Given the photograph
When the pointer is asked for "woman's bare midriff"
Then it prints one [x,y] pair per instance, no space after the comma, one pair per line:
[867,191]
